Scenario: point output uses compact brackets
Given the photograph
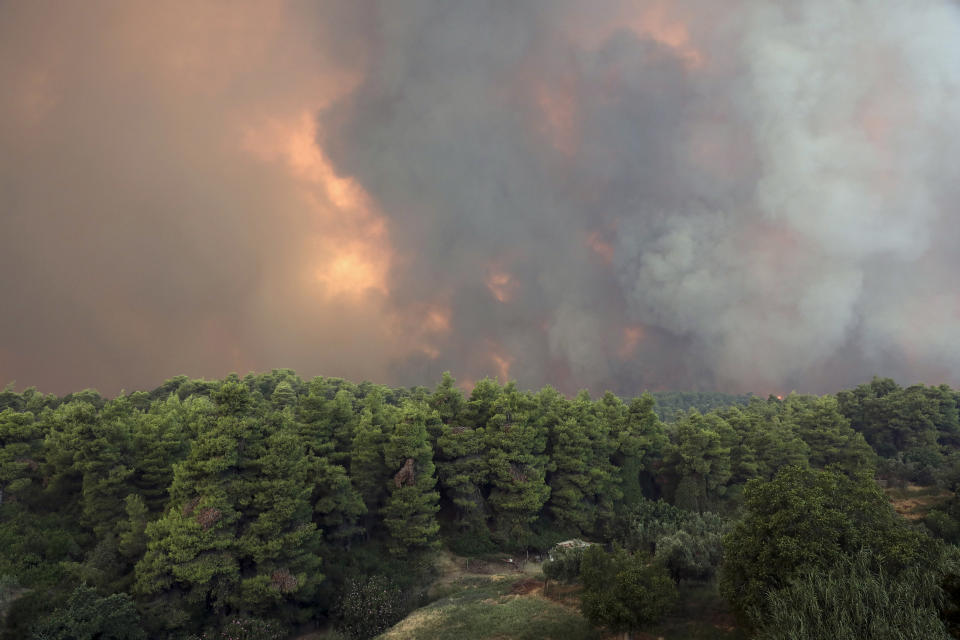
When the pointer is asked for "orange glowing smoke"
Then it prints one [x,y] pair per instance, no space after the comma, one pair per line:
[601,247]
[437,320]
[501,284]
[657,23]
[353,252]
[502,364]
[656,19]
[559,123]
[631,338]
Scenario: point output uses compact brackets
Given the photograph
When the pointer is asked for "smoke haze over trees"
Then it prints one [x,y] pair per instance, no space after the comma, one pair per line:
[739,196]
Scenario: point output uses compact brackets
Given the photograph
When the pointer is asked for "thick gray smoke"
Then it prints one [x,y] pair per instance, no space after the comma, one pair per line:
[777,183]
[748,196]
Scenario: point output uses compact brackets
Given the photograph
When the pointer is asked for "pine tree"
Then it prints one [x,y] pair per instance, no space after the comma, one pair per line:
[410,511]
[20,451]
[697,460]
[369,473]
[517,459]
[238,536]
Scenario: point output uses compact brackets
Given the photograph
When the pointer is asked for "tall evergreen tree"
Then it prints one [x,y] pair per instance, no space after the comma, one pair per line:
[238,536]
[516,446]
[410,511]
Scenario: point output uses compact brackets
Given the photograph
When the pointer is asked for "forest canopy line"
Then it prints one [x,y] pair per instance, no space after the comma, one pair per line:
[264,499]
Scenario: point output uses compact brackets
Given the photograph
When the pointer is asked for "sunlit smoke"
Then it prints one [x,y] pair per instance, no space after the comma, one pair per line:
[502,285]
[655,194]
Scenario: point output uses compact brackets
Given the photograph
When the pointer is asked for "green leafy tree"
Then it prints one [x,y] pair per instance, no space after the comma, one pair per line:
[624,592]
[88,616]
[688,544]
[805,519]
[855,600]
[564,563]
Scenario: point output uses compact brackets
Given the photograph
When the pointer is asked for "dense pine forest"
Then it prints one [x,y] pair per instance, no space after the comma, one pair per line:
[269,506]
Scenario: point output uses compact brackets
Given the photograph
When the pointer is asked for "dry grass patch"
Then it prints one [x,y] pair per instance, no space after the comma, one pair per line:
[914,501]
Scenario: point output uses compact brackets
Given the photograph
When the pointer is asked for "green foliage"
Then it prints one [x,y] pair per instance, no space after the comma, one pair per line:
[239,535]
[260,497]
[245,628]
[564,563]
[9,589]
[20,444]
[820,424]
[516,446]
[481,608]
[855,600]
[697,460]
[370,606]
[409,513]
[88,616]
[624,592]
[806,519]
[671,405]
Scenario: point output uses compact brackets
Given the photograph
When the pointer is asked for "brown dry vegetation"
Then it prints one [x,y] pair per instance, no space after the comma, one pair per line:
[914,501]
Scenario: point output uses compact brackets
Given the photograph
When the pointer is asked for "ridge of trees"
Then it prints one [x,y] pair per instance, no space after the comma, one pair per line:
[261,498]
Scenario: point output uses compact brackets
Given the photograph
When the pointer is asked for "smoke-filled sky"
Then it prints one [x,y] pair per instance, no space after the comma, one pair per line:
[748,195]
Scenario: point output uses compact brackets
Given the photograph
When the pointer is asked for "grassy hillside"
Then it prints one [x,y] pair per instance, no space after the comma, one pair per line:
[488,599]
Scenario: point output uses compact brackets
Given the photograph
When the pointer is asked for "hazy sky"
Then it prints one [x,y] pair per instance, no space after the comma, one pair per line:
[749,195]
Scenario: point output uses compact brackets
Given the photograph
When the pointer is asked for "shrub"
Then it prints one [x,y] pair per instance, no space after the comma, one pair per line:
[241,628]
[370,606]
[624,592]
[854,600]
[564,565]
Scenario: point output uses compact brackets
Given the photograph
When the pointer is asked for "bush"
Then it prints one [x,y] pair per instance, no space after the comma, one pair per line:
[624,592]
[370,606]
[688,544]
[471,543]
[248,629]
[854,600]
[564,565]
[89,616]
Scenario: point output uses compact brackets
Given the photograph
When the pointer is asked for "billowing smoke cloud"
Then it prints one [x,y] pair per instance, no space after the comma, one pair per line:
[619,194]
